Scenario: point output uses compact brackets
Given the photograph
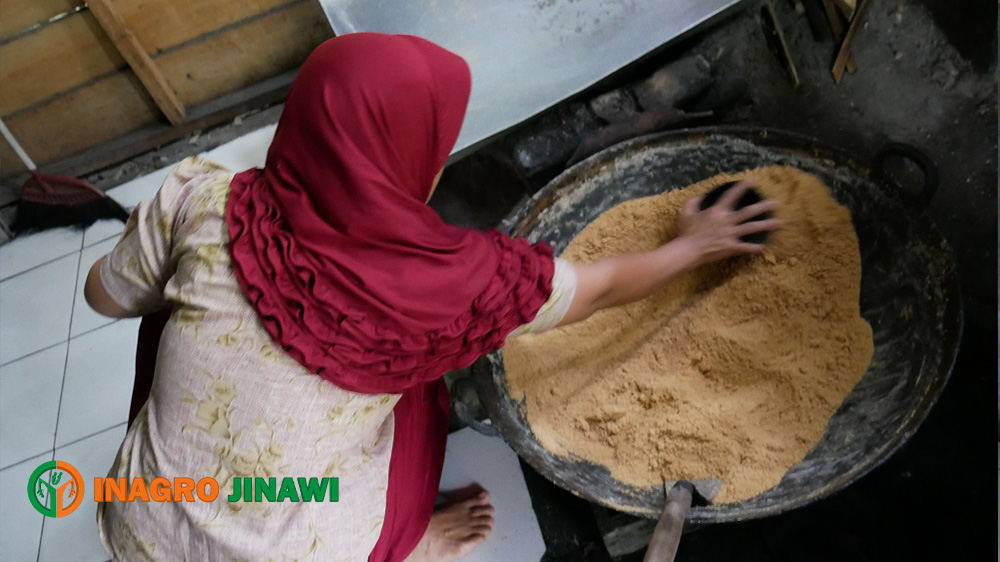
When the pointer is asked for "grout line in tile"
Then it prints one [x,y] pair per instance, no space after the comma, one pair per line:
[91,330]
[41,533]
[78,439]
[46,348]
[50,451]
[69,332]
[43,264]
[96,242]
[38,557]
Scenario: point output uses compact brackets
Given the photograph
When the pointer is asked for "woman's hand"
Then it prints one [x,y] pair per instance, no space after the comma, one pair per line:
[705,236]
[714,234]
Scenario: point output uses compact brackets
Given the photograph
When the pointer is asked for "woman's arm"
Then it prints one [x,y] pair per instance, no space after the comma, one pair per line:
[99,299]
[129,281]
[704,237]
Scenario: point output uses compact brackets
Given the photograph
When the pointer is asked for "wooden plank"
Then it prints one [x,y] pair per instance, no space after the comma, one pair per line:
[775,28]
[75,50]
[17,16]
[163,25]
[846,7]
[55,59]
[220,110]
[133,52]
[106,109]
[837,27]
[840,64]
[246,54]
[117,104]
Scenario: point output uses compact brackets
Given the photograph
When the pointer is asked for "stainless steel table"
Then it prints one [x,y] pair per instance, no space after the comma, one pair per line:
[528,55]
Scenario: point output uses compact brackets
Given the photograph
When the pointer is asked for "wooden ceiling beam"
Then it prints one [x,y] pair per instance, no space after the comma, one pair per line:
[138,59]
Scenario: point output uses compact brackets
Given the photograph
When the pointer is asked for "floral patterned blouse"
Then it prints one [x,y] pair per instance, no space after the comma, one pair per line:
[226,403]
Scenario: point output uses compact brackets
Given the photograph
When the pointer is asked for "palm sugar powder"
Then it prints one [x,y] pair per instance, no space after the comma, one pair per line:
[732,371]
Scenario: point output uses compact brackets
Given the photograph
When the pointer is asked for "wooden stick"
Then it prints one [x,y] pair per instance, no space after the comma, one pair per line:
[838,31]
[135,54]
[845,48]
[792,71]
[846,7]
[667,534]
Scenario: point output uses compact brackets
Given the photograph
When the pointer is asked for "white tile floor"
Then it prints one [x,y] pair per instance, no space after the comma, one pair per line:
[66,372]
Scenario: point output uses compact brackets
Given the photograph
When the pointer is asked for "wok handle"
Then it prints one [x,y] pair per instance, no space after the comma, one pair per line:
[667,534]
[462,410]
[916,156]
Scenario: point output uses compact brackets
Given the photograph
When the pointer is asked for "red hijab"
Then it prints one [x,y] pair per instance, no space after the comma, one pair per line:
[333,243]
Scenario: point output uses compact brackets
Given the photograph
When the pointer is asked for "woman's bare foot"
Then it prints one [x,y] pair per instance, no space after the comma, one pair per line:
[455,529]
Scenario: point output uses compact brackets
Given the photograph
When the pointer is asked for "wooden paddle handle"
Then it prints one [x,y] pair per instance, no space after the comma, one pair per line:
[667,534]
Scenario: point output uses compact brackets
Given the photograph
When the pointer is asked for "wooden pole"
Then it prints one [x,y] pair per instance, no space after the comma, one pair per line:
[789,61]
[135,54]
[837,27]
[845,48]
[846,7]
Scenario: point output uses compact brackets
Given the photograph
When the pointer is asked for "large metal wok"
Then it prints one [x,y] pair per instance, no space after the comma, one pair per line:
[909,294]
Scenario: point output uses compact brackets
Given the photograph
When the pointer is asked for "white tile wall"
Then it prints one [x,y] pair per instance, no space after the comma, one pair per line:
[20,524]
[97,388]
[26,252]
[29,403]
[36,306]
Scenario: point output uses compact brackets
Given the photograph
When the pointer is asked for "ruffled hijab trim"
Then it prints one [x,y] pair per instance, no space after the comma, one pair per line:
[349,270]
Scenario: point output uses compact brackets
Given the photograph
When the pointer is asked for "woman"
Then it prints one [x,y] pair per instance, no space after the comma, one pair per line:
[316,304]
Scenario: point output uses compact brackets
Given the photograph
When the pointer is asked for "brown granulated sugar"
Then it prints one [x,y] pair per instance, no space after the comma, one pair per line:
[732,371]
